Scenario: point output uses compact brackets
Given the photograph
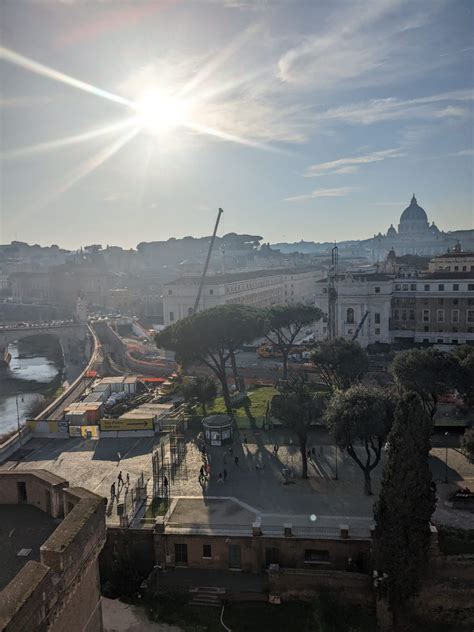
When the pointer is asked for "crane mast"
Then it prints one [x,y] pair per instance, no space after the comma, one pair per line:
[206,265]
[332,294]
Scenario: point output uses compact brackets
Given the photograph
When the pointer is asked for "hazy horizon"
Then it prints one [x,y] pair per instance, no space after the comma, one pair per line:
[316,121]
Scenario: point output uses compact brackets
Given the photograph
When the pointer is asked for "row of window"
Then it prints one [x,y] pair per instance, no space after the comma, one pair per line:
[409,314]
[272,555]
[350,317]
[405,287]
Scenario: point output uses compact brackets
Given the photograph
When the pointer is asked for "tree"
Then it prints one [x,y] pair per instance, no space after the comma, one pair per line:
[467,444]
[210,337]
[340,362]
[298,406]
[405,505]
[202,389]
[361,415]
[427,372]
[284,323]
[464,378]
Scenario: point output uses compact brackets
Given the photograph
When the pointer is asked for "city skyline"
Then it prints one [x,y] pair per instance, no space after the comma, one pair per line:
[125,124]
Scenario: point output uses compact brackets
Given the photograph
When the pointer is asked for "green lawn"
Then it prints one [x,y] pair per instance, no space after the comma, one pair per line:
[319,616]
[158,507]
[252,411]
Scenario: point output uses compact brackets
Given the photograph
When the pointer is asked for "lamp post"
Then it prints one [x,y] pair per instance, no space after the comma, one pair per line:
[446,461]
[18,420]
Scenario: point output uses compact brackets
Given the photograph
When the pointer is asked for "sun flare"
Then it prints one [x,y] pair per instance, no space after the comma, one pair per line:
[159,113]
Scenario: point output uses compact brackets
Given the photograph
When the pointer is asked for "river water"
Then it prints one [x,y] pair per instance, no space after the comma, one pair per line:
[24,383]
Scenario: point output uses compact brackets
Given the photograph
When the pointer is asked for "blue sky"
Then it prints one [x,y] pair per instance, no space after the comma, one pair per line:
[127,122]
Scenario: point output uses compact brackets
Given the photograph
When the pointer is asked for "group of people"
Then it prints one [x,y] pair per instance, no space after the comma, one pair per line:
[121,483]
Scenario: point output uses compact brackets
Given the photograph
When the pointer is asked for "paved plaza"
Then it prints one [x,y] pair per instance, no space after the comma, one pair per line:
[257,480]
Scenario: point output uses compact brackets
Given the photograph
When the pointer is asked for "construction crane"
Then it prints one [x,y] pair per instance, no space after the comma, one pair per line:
[360,325]
[206,265]
[332,294]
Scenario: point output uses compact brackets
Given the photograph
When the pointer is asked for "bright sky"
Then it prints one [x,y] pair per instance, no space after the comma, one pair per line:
[127,122]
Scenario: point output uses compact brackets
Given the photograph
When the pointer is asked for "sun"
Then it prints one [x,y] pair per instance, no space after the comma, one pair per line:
[158,112]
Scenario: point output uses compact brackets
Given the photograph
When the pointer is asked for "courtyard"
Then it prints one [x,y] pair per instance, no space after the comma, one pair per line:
[334,488]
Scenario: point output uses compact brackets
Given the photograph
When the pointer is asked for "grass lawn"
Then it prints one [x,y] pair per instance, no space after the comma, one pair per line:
[158,507]
[318,616]
[252,411]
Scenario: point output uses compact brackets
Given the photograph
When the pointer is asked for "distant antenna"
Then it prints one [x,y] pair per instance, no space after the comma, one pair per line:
[206,265]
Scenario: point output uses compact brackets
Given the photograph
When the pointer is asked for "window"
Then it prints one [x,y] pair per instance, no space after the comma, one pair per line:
[170,292]
[206,551]
[272,555]
[377,331]
[313,556]
[454,341]
[325,290]
[181,553]
[470,315]
[405,287]
[440,315]
[441,287]
[464,268]
[426,341]
[455,287]
[404,314]
[441,301]
[426,315]
[426,328]
[455,301]
[350,316]
[454,315]
[470,301]
[470,287]
[398,287]
[427,287]
[439,341]
[412,286]
[377,289]
[456,268]
[22,493]
[377,318]
[396,314]
[171,316]
[411,314]
[211,292]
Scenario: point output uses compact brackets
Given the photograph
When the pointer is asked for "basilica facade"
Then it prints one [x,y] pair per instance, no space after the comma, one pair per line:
[416,236]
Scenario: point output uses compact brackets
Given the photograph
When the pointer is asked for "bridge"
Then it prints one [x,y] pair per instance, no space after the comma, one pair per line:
[72,337]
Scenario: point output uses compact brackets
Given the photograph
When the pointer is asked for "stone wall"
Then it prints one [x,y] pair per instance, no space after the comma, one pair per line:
[61,593]
[43,490]
[135,545]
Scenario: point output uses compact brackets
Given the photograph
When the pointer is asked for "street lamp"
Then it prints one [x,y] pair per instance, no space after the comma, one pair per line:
[446,461]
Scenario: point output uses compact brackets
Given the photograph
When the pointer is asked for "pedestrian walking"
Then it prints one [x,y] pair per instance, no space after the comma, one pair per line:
[120,479]
[165,485]
[207,469]
[313,452]
[219,478]
[321,451]
[245,439]
[225,475]
[128,479]
[231,451]
[112,491]
[201,472]
[119,456]
[309,454]
[203,449]
[236,460]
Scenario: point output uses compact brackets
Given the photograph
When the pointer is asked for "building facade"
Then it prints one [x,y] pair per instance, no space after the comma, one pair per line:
[405,306]
[262,288]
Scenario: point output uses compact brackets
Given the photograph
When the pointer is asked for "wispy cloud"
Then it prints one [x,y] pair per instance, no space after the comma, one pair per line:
[320,193]
[390,109]
[356,45]
[464,152]
[351,164]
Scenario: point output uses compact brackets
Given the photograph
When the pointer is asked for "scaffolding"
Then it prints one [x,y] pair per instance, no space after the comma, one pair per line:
[169,461]
[332,294]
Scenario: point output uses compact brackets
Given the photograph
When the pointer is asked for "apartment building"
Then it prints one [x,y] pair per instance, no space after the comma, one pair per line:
[262,288]
[408,306]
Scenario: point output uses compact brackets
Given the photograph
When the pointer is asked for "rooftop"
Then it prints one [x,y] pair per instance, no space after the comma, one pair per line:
[21,527]
[240,276]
